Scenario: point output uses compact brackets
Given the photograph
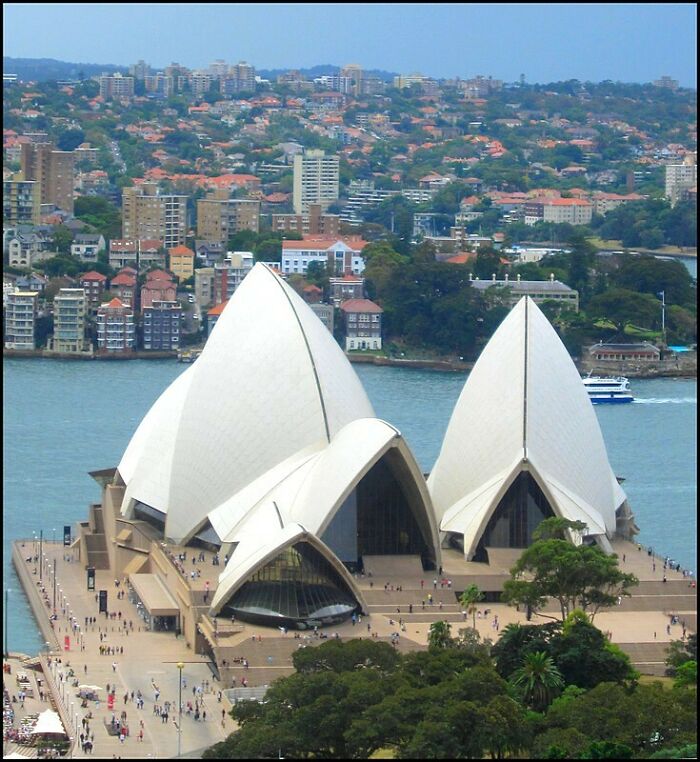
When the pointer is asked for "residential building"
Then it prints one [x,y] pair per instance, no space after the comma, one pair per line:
[53,170]
[607,202]
[316,180]
[87,246]
[346,287]
[575,211]
[324,312]
[94,285]
[69,311]
[667,82]
[229,274]
[538,290]
[116,86]
[352,74]
[204,279]
[213,315]
[122,252]
[20,318]
[139,70]
[220,217]
[311,224]
[341,255]
[181,262]
[209,252]
[116,331]
[681,177]
[147,214]
[28,246]
[148,253]
[157,289]
[32,282]
[363,324]
[239,78]
[123,286]
[21,202]
[162,320]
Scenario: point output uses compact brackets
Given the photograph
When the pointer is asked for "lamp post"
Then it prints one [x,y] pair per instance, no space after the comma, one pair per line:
[662,294]
[41,552]
[7,608]
[54,586]
[180,667]
[54,535]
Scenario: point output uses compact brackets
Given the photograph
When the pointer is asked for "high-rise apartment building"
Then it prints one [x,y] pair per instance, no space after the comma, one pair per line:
[239,78]
[146,214]
[53,170]
[21,202]
[352,73]
[20,317]
[316,180]
[116,86]
[69,309]
[140,70]
[680,178]
[219,217]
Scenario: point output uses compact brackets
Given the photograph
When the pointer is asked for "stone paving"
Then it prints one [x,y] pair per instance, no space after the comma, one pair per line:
[148,658]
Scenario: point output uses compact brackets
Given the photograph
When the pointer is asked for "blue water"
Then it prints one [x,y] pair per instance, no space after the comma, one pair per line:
[65,418]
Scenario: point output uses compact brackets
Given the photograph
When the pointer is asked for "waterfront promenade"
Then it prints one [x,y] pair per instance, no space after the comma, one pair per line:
[148,659]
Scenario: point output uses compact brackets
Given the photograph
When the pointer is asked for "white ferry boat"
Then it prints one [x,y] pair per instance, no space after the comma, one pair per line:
[608,389]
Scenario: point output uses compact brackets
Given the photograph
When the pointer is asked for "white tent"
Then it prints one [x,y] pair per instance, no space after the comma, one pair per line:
[49,723]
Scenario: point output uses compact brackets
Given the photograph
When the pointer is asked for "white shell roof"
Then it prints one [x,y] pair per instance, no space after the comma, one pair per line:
[302,497]
[523,407]
[271,382]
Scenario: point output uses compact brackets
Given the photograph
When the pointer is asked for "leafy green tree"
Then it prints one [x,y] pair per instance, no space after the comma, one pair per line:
[469,598]
[539,679]
[577,576]
[62,239]
[439,635]
[681,651]
[70,139]
[686,674]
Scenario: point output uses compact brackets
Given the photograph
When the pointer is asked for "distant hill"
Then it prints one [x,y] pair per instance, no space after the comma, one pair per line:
[43,69]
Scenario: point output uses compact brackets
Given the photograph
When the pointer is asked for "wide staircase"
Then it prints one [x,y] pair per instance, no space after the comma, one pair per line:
[382,568]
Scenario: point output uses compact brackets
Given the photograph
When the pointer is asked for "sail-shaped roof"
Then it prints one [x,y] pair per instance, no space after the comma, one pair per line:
[270,382]
[523,407]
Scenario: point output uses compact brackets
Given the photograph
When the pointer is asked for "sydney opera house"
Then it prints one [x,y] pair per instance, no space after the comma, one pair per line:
[267,452]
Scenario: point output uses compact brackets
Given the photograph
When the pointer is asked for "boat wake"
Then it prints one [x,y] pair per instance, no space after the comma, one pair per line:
[667,401]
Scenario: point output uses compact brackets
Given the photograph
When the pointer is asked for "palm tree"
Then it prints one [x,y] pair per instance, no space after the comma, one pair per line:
[539,679]
[469,598]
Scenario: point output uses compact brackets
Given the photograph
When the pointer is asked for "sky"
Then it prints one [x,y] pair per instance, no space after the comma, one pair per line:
[626,42]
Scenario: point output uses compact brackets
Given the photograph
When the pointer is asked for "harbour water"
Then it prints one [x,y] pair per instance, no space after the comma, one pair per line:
[65,418]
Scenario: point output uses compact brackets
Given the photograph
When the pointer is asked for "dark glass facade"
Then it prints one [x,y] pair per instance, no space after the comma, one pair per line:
[386,525]
[298,589]
[517,516]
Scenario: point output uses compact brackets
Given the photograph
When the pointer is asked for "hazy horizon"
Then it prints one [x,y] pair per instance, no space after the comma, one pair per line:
[546,43]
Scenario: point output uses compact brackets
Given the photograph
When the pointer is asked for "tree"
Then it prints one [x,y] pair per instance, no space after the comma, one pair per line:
[469,598]
[681,651]
[686,674]
[539,679]
[577,576]
[70,139]
[62,239]
[439,635]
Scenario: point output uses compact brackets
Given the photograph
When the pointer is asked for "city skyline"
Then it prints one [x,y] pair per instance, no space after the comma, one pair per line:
[440,40]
